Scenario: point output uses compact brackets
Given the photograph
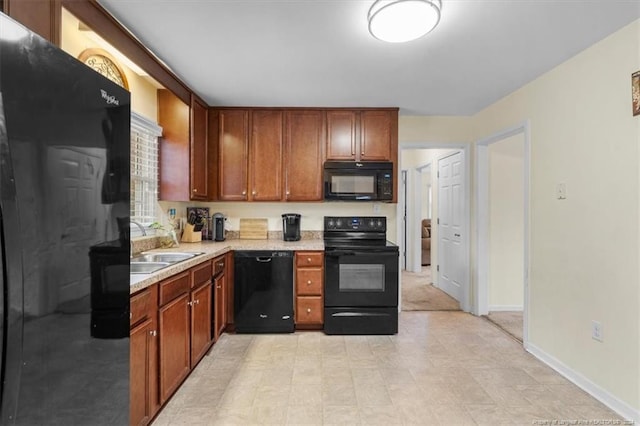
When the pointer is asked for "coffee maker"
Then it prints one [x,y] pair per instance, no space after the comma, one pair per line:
[291,226]
[219,233]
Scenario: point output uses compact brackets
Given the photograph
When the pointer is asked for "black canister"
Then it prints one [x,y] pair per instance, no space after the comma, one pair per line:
[219,233]
[291,227]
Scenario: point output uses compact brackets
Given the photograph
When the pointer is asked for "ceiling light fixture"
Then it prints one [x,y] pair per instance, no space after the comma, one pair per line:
[398,21]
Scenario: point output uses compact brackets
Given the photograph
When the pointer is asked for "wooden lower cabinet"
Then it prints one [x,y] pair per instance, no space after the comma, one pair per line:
[220,296]
[171,331]
[309,285]
[175,360]
[200,322]
[144,357]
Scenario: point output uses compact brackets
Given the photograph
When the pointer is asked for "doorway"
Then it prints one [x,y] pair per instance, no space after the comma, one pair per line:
[418,163]
[502,226]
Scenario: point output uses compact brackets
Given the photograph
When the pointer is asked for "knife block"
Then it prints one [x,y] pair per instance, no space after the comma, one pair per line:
[191,236]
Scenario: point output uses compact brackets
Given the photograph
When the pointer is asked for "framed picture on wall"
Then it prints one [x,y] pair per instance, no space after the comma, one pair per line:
[635,92]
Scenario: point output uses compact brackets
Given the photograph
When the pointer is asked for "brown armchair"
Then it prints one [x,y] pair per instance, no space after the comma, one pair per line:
[426,242]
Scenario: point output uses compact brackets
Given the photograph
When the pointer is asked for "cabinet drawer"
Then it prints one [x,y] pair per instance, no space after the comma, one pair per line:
[309,258]
[309,310]
[143,305]
[201,274]
[174,287]
[309,281]
[218,265]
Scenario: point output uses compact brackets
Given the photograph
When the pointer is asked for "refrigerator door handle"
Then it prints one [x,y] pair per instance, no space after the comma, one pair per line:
[11,283]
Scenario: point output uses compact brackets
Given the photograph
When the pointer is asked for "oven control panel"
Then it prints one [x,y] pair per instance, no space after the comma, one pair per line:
[355,223]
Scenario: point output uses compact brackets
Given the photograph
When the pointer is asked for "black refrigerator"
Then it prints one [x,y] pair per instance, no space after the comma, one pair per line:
[64,270]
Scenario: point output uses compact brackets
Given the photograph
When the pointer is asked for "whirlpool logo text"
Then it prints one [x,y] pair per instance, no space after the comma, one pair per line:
[111,100]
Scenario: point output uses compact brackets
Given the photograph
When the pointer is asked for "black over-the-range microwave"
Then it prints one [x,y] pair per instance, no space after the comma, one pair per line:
[358,181]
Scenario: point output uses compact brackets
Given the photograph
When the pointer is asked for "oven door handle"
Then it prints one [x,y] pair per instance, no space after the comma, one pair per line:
[338,253]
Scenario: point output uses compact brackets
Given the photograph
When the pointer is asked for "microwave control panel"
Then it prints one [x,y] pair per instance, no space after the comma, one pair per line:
[385,186]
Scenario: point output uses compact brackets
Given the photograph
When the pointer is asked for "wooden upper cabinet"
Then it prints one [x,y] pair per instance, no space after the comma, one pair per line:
[173,117]
[304,142]
[375,135]
[233,144]
[265,155]
[366,135]
[341,135]
[199,151]
[41,16]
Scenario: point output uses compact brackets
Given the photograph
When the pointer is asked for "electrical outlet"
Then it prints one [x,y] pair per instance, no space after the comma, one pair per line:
[596,330]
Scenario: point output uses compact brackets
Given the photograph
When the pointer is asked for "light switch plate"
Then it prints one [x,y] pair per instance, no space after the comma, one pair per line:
[561,191]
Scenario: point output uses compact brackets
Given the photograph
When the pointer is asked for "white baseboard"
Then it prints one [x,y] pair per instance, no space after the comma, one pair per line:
[502,308]
[599,393]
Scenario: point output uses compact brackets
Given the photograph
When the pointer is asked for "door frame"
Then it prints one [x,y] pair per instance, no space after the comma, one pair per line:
[481,272]
[414,225]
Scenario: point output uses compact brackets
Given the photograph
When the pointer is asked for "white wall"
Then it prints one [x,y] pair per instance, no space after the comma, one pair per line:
[506,224]
[584,251]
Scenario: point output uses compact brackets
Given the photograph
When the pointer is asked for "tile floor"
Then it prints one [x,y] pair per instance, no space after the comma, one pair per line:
[442,368]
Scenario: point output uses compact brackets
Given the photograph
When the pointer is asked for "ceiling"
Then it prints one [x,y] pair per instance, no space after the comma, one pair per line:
[319,52]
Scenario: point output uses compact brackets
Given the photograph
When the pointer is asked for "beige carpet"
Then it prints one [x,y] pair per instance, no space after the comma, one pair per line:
[509,321]
[418,294]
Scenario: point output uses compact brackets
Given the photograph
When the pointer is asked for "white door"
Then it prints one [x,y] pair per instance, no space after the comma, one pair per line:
[451,230]
[75,221]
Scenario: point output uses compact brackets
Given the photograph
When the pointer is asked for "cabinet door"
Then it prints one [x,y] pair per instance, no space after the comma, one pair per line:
[199,154]
[342,135]
[375,135]
[304,141]
[266,155]
[233,143]
[174,327]
[200,322]
[173,116]
[142,341]
[220,297]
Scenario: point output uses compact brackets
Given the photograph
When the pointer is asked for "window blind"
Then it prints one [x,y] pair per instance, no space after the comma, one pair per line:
[144,168]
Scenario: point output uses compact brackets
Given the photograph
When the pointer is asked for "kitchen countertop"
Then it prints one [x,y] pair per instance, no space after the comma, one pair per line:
[212,249]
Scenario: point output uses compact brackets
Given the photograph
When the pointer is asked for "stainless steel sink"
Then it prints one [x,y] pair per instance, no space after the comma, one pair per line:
[164,257]
[148,263]
[146,267]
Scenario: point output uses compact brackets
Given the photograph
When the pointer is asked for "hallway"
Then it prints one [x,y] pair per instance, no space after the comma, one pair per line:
[419,293]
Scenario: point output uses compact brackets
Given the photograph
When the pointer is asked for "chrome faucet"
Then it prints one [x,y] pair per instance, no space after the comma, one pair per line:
[139,225]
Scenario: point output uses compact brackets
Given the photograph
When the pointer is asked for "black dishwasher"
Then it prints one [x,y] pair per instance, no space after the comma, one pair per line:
[263,291]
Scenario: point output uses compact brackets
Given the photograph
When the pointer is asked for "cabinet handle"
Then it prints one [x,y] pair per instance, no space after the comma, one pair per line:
[190,303]
[308,260]
[254,192]
[244,192]
[153,333]
[219,286]
[309,282]
[308,310]
[288,192]
[195,190]
[221,264]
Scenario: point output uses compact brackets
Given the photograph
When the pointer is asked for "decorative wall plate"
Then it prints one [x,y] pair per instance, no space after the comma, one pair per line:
[101,61]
